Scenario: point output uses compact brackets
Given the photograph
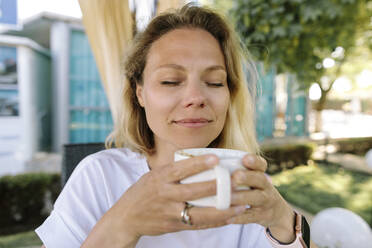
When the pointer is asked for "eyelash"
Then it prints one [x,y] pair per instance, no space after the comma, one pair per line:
[170,83]
[177,83]
[215,84]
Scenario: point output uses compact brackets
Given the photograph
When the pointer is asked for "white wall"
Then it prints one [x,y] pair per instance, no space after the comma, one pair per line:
[23,136]
[10,142]
[60,48]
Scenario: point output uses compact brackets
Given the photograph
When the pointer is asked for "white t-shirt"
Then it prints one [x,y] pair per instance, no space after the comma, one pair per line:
[99,181]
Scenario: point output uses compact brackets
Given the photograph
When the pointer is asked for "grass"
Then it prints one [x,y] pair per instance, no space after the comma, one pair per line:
[319,186]
[24,239]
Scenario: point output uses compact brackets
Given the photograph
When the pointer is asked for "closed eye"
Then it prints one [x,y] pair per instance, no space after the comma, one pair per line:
[170,83]
[215,84]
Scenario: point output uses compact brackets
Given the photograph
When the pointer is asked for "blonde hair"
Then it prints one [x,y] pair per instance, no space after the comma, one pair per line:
[132,130]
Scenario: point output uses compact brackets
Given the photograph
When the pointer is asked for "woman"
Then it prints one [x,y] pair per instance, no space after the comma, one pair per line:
[186,89]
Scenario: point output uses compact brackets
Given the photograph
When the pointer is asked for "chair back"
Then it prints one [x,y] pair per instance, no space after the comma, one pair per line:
[73,154]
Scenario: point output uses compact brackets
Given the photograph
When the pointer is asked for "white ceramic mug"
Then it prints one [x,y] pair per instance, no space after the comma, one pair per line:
[229,161]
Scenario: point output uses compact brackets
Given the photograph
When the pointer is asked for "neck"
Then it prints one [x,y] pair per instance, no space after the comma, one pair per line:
[163,156]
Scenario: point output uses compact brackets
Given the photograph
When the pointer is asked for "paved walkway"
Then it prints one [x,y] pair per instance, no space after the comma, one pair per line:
[45,162]
[350,162]
[42,162]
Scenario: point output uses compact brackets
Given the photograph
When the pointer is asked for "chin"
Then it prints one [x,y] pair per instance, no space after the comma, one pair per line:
[193,144]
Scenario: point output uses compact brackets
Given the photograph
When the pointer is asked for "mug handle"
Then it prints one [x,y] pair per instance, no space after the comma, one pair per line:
[223,182]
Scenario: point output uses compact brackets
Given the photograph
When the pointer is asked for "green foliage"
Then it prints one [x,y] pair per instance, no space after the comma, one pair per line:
[22,199]
[288,156]
[297,35]
[223,6]
[25,239]
[316,187]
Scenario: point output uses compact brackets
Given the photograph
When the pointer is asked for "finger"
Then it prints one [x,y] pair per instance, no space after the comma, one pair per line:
[212,216]
[188,167]
[192,191]
[254,162]
[251,215]
[253,179]
[207,226]
[252,198]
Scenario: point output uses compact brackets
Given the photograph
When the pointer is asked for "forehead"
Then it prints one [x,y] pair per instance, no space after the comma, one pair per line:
[184,46]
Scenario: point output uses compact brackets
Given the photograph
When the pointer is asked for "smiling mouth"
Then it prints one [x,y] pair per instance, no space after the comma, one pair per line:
[197,122]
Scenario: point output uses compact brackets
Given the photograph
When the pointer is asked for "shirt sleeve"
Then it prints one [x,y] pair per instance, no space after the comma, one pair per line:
[77,209]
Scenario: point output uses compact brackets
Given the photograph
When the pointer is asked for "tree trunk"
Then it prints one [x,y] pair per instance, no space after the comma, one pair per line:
[318,121]
[319,108]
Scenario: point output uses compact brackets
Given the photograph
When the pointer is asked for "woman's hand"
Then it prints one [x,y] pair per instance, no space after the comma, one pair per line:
[153,205]
[267,206]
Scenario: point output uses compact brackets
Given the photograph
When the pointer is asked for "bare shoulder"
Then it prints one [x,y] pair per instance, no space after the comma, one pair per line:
[43,246]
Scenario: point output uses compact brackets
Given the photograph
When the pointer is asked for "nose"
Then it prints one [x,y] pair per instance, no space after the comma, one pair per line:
[194,95]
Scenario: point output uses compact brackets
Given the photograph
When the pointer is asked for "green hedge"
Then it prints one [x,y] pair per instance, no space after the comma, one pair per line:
[358,146]
[287,156]
[23,200]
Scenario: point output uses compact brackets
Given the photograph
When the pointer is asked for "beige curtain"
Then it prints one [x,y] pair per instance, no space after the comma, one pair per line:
[108,25]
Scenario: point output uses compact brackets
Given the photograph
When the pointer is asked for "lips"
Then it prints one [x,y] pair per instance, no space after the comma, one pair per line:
[193,122]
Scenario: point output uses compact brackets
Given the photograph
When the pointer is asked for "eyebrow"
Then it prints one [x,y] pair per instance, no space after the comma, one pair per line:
[181,68]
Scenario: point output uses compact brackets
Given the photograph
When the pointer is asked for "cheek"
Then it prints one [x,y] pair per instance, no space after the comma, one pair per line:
[224,107]
[222,104]
[157,105]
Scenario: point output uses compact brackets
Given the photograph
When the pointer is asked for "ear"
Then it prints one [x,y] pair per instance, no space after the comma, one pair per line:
[139,91]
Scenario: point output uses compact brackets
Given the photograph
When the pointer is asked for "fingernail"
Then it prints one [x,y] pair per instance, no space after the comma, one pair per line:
[211,160]
[250,159]
[240,209]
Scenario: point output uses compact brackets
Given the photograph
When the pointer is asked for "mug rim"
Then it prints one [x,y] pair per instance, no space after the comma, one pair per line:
[224,152]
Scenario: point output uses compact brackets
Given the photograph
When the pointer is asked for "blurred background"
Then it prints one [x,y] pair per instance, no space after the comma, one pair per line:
[313,104]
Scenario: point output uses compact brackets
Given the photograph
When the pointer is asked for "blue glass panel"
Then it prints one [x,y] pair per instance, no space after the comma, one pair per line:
[89,126]
[90,118]
[9,102]
[296,114]
[265,102]
[8,65]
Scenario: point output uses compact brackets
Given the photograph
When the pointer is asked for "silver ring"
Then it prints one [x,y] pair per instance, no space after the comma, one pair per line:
[185,217]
